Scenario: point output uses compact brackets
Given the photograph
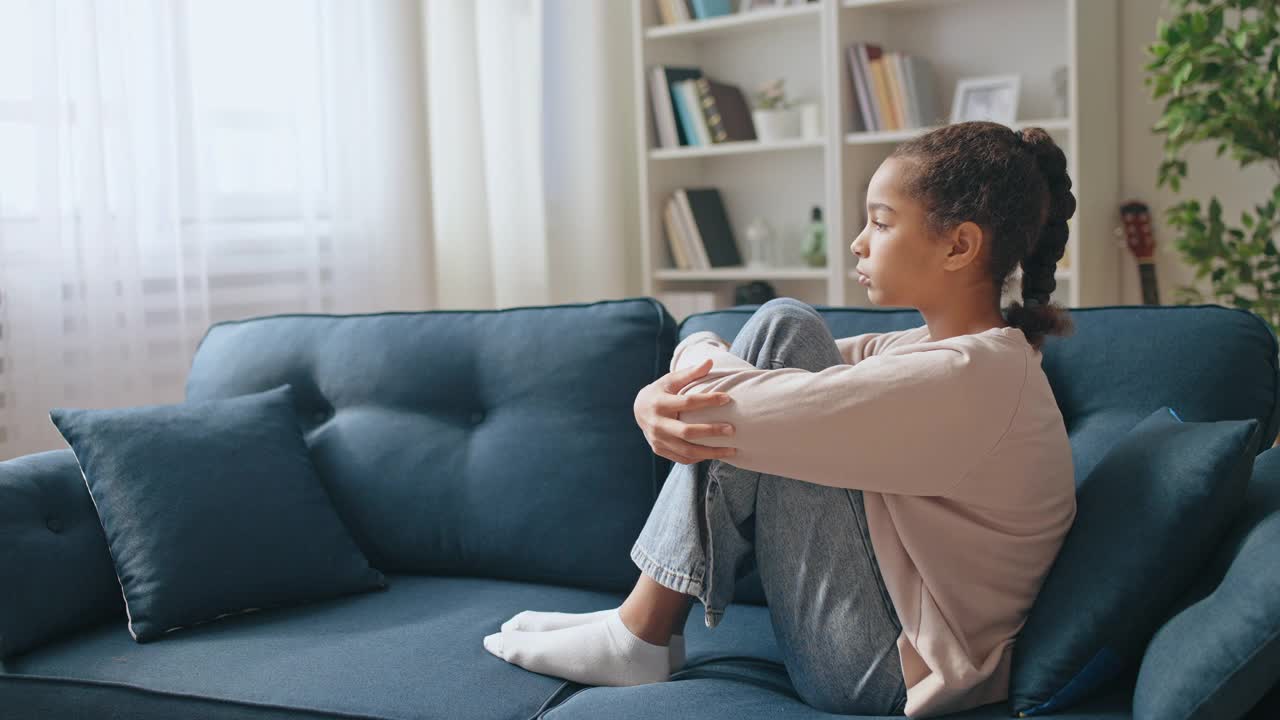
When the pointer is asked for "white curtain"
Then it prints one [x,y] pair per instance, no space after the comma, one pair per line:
[167,164]
[533,151]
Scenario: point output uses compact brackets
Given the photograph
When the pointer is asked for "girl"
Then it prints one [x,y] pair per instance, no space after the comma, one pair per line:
[902,494]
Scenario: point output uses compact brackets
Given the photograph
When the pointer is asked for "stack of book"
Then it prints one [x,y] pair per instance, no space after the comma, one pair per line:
[677,11]
[891,91]
[698,230]
[692,109]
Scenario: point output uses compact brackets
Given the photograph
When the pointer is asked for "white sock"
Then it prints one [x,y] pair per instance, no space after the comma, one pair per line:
[603,652]
[540,621]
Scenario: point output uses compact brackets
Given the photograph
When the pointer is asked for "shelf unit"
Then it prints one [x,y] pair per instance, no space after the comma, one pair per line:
[806,44]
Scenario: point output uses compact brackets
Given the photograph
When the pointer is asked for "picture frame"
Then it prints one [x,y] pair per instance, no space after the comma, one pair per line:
[991,97]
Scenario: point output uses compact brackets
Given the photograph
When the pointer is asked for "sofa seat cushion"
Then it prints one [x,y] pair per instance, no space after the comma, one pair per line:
[728,690]
[411,651]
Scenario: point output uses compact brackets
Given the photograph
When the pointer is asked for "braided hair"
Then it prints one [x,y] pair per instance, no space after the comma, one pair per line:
[1015,186]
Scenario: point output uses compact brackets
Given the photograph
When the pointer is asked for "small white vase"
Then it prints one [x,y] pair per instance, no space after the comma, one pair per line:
[774,125]
[759,244]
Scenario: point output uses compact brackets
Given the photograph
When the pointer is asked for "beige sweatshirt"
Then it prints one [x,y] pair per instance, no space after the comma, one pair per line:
[962,455]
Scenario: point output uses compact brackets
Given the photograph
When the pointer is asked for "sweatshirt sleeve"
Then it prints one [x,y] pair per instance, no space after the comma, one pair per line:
[909,423]
[858,347]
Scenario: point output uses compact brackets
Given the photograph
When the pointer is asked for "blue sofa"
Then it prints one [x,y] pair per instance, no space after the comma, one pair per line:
[488,462]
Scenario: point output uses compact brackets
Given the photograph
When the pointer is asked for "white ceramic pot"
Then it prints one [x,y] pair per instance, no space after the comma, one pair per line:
[774,125]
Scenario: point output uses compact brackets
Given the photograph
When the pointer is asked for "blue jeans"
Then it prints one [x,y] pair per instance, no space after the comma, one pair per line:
[833,619]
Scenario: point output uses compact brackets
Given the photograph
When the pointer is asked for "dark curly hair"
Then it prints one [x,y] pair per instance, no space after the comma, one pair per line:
[1015,186]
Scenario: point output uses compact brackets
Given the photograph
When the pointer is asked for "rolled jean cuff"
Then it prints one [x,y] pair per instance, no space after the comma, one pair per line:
[675,580]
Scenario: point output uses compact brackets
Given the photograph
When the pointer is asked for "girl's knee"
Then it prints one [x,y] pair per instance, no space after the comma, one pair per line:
[789,310]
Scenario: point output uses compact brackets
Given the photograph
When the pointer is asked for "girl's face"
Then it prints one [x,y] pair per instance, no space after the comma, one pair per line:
[899,262]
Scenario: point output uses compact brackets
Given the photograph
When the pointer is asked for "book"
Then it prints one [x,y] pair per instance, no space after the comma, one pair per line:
[688,93]
[703,9]
[698,251]
[897,90]
[672,11]
[711,227]
[871,53]
[664,118]
[904,90]
[909,91]
[864,113]
[672,75]
[684,113]
[664,12]
[675,239]
[856,122]
[881,93]
[725,109]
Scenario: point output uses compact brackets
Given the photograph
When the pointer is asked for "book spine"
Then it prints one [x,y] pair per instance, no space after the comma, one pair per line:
[858,121]
[868,81]
[715,123]
[674,240]
[894,85]
[905,66]
[663,115]
[882,94]
[684,113]
[689,93]
[664,11]
[701,261]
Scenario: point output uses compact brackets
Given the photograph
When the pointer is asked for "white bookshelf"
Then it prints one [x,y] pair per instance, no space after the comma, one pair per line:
[806,44]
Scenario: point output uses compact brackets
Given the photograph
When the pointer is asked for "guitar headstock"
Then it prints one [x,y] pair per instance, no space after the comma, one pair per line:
[1137,229]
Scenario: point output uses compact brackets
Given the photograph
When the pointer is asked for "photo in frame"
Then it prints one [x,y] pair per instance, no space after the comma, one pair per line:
[992,97]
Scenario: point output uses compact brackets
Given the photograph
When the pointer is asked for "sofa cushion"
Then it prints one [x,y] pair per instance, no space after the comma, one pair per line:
[211,508]
[56,575]
[411,651]
[1220,651]
[491,443]
[1147,517]
[730,690]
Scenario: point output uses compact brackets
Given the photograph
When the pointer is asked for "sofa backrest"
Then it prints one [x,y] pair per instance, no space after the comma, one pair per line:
[1121,363]
[496,443]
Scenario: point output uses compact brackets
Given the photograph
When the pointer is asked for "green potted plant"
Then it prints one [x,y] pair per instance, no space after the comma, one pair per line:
[1218,63]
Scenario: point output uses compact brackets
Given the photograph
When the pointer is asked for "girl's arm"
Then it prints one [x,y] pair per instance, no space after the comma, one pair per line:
[912,422]
[859,347]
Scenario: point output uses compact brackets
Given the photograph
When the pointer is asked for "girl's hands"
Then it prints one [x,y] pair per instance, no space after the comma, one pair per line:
[657,409]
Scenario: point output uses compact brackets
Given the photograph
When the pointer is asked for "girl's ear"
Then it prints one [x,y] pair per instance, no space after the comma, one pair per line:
[965,246]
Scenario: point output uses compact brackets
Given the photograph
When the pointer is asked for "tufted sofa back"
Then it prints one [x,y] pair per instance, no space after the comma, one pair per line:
[493,443]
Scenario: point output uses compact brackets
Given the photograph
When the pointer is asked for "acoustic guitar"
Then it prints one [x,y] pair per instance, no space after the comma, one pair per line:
[1141,242]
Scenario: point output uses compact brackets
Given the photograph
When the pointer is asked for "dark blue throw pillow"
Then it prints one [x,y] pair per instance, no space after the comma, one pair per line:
[1220,651]
[212,508]
[1146,518]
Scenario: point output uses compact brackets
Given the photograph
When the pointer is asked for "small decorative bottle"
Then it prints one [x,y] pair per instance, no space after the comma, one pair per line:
[815,240]
[759,243]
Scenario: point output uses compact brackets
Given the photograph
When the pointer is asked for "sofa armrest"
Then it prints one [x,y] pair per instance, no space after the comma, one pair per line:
[56,574]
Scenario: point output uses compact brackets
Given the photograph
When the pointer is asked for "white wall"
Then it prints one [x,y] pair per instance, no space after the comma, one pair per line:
[1141,154]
